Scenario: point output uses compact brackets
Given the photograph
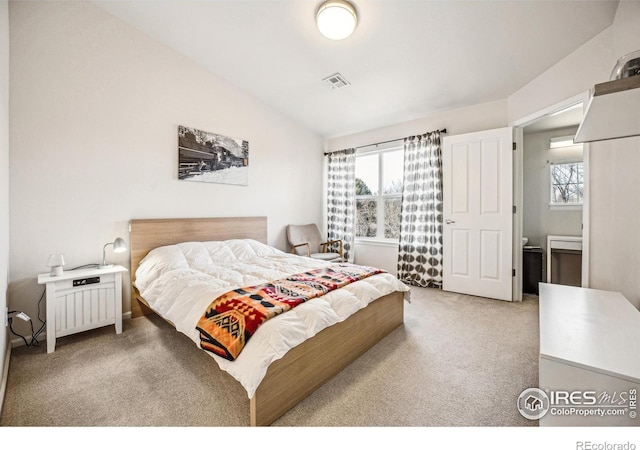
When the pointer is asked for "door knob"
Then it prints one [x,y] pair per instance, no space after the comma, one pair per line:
[448,221]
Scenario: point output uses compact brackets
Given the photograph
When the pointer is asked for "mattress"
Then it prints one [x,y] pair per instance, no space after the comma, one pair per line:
[179,282]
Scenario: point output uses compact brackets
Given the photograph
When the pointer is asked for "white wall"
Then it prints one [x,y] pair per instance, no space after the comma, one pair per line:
[538,218]
[4,180]
[95,106]
[573,75]
[614,165]
[464,120]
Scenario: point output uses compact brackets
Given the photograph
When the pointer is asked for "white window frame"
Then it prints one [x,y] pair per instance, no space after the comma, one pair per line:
[560,206]
[380,197]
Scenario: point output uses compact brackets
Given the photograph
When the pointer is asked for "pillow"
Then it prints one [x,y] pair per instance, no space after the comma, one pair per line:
[197,255]
[158,261]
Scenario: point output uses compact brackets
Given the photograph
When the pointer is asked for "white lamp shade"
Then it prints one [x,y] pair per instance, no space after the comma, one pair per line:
[336,19]
[55,260]
[119,245]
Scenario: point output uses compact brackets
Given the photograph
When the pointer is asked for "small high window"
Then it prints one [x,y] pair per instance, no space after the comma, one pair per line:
[567,183]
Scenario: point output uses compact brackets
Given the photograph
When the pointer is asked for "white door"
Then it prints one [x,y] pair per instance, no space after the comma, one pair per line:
[478,207]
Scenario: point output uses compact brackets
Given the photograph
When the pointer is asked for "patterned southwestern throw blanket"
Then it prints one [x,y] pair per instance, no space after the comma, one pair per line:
[231,319]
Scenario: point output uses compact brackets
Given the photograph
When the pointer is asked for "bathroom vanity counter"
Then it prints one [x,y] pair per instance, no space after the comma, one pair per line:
[569,245]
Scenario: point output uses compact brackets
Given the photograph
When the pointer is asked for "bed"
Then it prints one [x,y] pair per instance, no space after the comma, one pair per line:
[295,374]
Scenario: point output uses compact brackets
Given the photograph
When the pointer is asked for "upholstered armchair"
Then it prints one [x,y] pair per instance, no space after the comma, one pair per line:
[306,240]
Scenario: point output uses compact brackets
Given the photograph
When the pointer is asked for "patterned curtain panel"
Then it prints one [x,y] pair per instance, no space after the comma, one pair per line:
[341,191]
[420,251]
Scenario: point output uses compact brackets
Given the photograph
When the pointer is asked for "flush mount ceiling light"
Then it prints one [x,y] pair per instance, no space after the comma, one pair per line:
[336,19]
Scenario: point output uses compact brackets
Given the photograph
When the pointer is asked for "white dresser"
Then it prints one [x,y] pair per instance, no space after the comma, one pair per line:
[589,357]
[83,299]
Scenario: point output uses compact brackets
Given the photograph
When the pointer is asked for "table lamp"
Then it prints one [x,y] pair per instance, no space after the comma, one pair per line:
[119,246]
[55,263]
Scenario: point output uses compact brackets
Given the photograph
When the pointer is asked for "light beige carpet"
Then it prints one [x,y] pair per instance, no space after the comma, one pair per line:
[456,361]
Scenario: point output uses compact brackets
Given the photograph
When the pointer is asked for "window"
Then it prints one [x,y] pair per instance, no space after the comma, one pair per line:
[567,183]
[379,193]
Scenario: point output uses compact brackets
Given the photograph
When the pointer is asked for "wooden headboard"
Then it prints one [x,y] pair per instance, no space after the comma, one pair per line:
[147,234]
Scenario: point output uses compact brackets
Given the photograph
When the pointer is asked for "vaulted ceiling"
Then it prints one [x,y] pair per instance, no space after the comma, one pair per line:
[406,58]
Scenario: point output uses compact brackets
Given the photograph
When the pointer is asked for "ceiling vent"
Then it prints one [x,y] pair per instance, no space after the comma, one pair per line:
[336,81]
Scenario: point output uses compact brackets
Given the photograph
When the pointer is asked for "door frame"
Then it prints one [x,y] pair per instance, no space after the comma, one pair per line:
[518,190]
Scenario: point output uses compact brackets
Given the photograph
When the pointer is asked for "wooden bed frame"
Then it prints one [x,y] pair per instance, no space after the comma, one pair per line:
[304,368]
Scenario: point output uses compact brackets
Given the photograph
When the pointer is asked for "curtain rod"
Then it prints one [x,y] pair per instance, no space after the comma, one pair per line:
[444,130]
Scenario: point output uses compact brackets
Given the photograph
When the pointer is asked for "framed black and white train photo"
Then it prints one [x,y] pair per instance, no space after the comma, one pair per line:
[212,158]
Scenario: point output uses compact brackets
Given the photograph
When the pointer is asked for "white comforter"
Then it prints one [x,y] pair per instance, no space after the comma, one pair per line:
[180,281]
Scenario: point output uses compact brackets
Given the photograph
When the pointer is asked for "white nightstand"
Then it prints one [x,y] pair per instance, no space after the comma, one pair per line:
[81,300]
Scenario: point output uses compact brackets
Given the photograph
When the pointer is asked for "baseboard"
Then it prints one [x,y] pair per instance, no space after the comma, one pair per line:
[17,342]
[5,374]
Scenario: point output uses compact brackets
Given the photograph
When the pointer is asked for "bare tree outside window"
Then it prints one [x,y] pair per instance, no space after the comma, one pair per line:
[393,209]
[366,217]
[392,217]
[567,183]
